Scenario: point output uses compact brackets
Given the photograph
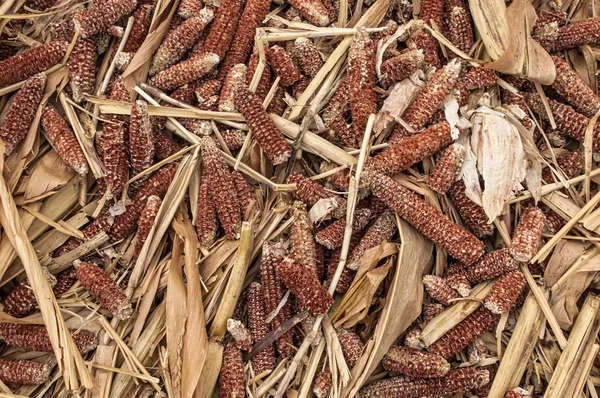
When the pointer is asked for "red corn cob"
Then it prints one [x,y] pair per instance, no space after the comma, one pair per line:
[415,363]
[340,181]
[185,71]
[301,238]
[223,28]
[189,8]
[306,287]
[382,230]
[30,62]
[142,17]
[146,221]
[430,311]
[460,283]
[322,384]
[60,135]
[505,292]
[439,289]
[308,56]
[100,18]
[528,235]
[231,377]
[22,372]
[568,121]
[413,149]
[241,335]
[517,393]
[570,36]
[82,68]
[570,86]
[206,216]
[422,40]
[235,78]
[100,224]
[278,104]
[432,11]
[264,84]
[311,192]
[222,189]
[472,214]
[64,282]
[274,290]
[401,66]
[492,265]
[244,191]
[474,79]
[333,236]
[362,79]
[462,334]
[351,344]
[347,275]
[254,13]
[35,337]
[21,112]
[108,294]
[262,127]
[456,381]
[21,300]
[179,40]
[333,116]
[313,10]
[156,185]
[447,168]
[457,241]
[300,86]
[460,28]
[571,165]
[141,147]
[283,66]
[265,359]
[164,146]
[432,95]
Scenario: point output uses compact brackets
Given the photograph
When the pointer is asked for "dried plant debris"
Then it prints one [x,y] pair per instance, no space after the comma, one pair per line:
[218,156]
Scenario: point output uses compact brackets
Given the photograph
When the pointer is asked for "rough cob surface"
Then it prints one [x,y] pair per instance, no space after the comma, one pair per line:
[415,363]
[35,337]
[18,371]
[30,62]
[63,140]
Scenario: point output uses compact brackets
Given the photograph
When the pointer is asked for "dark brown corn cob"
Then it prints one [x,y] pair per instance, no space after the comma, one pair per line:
[283,66]
[164,146]
[439,289]
[245,194]
[306,287]
[570,86]
[456,381]
[382,230]
[108,294]
[63,140]
[471,213]
[462,334]
[35,337]
[64,282]
[492,265]
[231,377]
[100,224]
[505,292]
[528,234]
[311,192]
[308,56]
[82,68]
[21,300]
[278,104]
[352,345]
[186,71]
[457,241]
[413,149]
[571,165]
[103,16]
[446,169]
[362,79]
[415,363]
[222,189]
[206,215]
[179,40]
[142,17]
[313,10]
[262,127]
[274,290]
[30,62]
[223,28]
[401,66]
[22,372]
[568,121]
[141,146]
[21,112]
[332,236]
[146,222]
[265,359]
[301,238]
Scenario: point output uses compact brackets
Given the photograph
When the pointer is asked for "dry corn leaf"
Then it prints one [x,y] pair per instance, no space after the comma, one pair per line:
[489,17]
[46,175]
